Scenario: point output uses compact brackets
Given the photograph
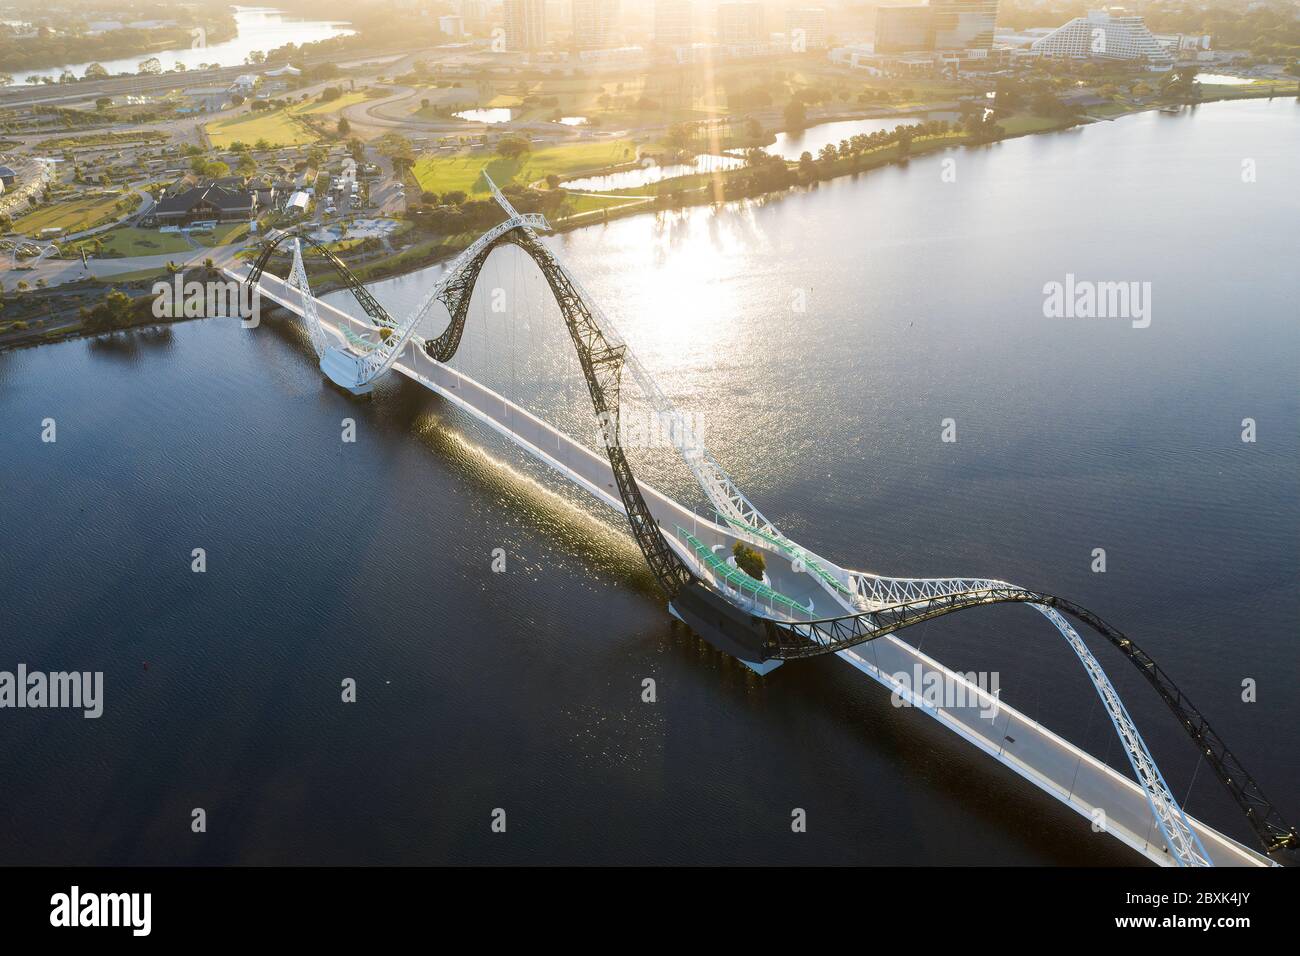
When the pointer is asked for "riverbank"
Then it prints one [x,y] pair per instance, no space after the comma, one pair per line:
[701,189]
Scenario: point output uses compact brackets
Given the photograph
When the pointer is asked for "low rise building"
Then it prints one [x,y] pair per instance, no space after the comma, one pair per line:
[202,203]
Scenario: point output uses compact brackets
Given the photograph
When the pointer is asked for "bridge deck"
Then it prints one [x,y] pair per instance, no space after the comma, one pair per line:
[1053,764]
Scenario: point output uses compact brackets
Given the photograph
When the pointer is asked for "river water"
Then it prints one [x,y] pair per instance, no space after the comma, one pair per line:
[823,337]
[258,28]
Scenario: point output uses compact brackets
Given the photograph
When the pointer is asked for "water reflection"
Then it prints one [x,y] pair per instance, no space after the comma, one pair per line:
[486,115]
[652,173]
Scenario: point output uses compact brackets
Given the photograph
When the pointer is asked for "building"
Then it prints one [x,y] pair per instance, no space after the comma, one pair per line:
[674,22]
[964,24]
[904,29]
[474,15]
[201,203]
[7,178]
[1102,36]
[594,23]
[740,22]
[805,28]
[451,26]
[297,203]
[525,24]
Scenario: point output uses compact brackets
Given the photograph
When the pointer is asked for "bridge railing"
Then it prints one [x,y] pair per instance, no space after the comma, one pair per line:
[748,588]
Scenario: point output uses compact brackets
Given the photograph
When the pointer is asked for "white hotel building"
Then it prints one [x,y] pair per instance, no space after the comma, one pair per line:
[1102,36]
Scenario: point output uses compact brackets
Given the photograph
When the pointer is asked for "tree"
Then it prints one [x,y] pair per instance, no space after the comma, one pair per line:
[150,67]
[512,147]
[749,560]
[397,148]
[344,126]
[96,71]
[1181,84]
[796,116]
[103,103]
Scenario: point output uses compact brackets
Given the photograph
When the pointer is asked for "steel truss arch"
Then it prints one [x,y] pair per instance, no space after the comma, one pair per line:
[369,304]
[602,358]
[795,640]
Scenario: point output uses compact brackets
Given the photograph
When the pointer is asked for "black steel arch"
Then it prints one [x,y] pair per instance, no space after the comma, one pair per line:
[602,367]
[369,304]
[829,635]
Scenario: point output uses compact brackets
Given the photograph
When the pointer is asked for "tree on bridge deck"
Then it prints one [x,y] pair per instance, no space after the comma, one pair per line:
[749,560]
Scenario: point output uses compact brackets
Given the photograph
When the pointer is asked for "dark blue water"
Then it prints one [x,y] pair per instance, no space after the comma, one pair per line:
[522,690]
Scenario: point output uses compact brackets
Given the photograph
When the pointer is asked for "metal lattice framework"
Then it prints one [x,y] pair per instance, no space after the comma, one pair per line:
[877,605]
[369,304]
[601,353]
[931,598]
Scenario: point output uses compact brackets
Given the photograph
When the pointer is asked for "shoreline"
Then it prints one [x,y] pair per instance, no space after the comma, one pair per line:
[708,193]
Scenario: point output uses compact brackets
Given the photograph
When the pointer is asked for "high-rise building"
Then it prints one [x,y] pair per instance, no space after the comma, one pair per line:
[525,24]
[594,22]
[904,29]
[674,22]
[964,24]
[1105,37]
[475,15]
[740,21]
[808,24]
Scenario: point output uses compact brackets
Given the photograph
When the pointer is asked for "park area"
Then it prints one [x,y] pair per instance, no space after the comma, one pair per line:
[275,127]
[71,215]
[448,171]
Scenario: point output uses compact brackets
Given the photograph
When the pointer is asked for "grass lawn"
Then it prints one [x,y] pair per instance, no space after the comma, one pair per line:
[460,171]
[277,127]
[104,139]
[317,108]
[1027,123]
[223,235]
[586,202]
[129,241]
[70,215]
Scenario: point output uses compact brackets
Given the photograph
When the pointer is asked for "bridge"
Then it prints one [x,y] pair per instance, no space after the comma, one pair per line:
[805,605]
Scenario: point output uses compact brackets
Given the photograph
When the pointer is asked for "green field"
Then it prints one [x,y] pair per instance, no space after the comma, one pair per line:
[460,171]
[277,127]
[317,108]
[70,215]
[128,241]
[587,202]
[224,234]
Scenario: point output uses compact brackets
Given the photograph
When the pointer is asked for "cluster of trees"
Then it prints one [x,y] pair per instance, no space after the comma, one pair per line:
[512,147]
[762,174]
[454,213]
[117,311]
